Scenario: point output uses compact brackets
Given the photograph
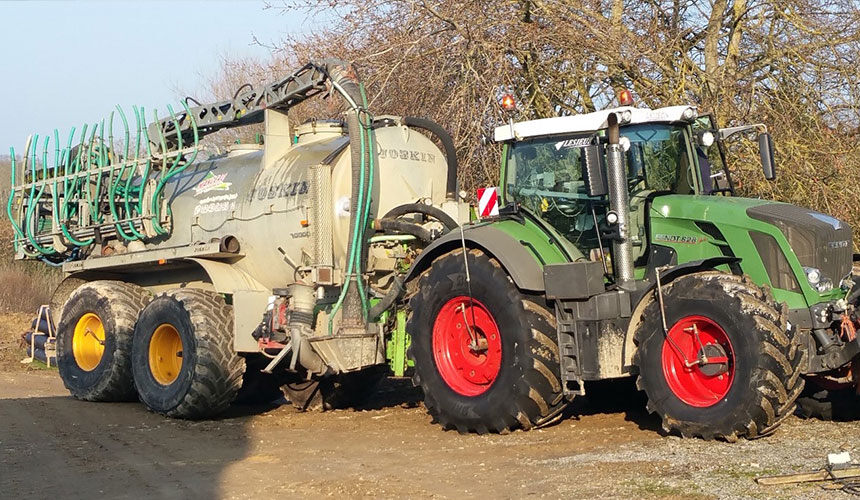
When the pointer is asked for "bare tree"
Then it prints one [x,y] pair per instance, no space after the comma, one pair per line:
[791,64]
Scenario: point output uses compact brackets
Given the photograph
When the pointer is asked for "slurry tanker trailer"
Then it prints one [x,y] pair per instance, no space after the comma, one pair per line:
[272,264]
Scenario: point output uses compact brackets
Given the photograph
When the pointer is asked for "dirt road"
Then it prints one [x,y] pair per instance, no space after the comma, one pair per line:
[51,444]
[606,447]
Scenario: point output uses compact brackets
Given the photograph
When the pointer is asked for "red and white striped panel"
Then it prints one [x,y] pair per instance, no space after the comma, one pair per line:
[488,202]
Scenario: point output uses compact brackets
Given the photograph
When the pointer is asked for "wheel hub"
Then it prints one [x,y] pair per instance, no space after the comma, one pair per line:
[467,346]
[88,342]
[698,361]
[713,360]
[165,354]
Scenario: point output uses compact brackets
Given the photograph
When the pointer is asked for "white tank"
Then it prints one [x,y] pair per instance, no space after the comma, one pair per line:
[268,209]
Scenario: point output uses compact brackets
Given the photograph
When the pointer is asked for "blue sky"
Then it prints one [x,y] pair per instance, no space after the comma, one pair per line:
[63,63]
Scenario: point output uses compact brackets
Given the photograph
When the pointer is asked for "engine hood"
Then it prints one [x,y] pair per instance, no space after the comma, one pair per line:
[818,240]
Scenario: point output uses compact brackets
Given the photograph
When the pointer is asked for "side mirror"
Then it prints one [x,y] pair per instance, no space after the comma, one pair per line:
[765,151]
[594,170]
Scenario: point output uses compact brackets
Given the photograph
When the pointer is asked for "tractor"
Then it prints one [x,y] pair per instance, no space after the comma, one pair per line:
[621,250]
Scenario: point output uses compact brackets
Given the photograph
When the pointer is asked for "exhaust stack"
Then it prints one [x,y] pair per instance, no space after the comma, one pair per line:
[619,204]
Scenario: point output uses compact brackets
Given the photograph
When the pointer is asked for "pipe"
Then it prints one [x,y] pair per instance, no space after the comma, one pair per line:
[420,208]
[622,249]
[403,227]
[394,293]
[447,143]
[301,309]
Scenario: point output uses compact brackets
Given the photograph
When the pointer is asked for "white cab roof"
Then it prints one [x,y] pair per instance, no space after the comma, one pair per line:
[588,122]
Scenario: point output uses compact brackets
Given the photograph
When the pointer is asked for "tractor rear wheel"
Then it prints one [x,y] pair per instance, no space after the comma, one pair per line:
[182,356]
[94,340]
[728,367]
[486,361]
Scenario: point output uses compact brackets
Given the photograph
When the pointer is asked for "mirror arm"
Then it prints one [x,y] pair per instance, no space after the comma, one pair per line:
[725,133]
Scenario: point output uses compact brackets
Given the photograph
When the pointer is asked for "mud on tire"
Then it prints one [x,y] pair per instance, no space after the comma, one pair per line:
[527,391]
[210,374]
[766,358]
[116,306]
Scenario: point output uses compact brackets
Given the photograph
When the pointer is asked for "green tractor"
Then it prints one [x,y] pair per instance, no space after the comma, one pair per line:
[620,250]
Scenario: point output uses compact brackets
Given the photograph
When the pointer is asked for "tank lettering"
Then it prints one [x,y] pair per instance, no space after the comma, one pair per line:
[216,204]
[282,190]
[407,154]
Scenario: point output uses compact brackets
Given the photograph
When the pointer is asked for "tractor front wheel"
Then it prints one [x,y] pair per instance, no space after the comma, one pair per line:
[725,366]
[487,357]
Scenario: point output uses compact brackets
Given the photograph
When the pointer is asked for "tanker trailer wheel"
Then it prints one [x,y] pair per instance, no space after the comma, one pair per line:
[333,392]
[183,359]
[485,363]
[94,340]
[751,378]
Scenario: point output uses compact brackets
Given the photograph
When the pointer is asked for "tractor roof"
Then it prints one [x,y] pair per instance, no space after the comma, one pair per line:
[590,122]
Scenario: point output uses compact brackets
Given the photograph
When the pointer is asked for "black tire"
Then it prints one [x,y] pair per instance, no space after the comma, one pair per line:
[117,305]
[334,392]
[62,294]
[766,363]
[527,390]
[210,374]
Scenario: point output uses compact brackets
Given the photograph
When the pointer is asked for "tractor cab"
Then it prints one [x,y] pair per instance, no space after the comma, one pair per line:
[667,151]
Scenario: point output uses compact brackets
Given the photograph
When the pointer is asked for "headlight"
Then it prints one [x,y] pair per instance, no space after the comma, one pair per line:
[819,283]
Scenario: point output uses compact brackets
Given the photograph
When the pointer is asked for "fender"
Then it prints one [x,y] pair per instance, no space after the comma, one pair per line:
[517,260]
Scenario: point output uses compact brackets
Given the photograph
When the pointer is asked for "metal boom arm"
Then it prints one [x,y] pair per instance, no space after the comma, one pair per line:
[248,104]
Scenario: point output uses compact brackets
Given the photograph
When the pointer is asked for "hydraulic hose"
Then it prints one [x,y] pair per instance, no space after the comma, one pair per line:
[447,143]
[394,293]
[403,227]
[420,208]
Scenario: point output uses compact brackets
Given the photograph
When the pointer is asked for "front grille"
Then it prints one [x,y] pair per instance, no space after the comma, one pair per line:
[818,240]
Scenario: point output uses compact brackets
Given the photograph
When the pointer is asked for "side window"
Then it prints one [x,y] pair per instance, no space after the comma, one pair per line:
[657,158]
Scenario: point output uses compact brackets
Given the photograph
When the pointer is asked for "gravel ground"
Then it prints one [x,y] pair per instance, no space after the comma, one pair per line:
[605,447]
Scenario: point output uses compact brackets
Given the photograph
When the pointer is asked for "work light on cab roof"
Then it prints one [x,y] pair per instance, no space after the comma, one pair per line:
[625,97]
[508,103]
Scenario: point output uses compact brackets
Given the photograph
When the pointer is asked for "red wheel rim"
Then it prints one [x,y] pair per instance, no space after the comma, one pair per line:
[467,370]
[703,384]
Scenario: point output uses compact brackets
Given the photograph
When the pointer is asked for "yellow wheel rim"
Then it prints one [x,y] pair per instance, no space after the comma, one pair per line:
[88,342]
[165,354]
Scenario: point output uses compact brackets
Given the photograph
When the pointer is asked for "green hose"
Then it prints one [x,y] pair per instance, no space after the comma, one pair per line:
[70,191]
[19,234]
[34,199]
[357,242]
